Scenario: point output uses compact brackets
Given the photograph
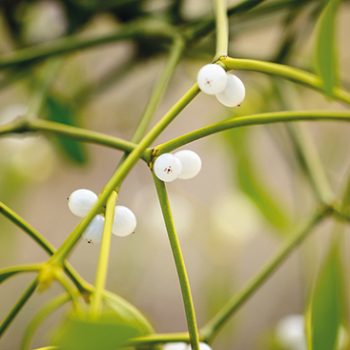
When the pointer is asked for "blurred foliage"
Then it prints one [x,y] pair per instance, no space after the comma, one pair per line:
[327,309]
[252,184]
[80,331]
[326,48]
[63,112]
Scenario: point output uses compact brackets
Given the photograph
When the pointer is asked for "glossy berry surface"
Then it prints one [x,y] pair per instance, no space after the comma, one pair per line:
[124,221]
[234,92]
[191,164]
[212,79]
[167,167]
[93,233]
[81,201]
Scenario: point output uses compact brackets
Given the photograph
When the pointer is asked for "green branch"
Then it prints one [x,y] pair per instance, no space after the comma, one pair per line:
[179,263]
[284,71]
[222,33]
[8,272]
[18,306]
[254,119]
[213,327]
[102,267]
[66,45]
[22,125]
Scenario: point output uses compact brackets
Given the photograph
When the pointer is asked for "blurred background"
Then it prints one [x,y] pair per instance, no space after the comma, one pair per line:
[250,195]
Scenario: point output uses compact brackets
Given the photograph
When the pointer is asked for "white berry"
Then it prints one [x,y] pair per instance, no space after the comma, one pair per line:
[124,221]
[167,167]
[234,92]
[93,233]
[212,79]
[81,201]
[191,164]
[290,332]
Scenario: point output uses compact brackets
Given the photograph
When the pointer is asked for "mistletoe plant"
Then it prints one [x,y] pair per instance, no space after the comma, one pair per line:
[100,319]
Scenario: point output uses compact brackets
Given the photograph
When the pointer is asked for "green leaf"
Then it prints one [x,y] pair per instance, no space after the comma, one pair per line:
[252,184]
[326,311]
[325,49]
[82,332]
[63,112]
[127,313]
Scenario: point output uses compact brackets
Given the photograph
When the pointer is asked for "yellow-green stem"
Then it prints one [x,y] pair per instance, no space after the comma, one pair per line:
[102,267]
[248,120]
[284,71]
[222,33]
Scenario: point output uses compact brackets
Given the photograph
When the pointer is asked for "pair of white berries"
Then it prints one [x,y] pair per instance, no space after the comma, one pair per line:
[80,203]
[184,346]
[181,165]
[212,79]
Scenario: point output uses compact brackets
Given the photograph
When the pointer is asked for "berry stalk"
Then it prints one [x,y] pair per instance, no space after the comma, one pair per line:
[222,32]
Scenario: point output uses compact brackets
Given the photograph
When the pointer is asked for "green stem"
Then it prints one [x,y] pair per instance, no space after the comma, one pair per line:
[219,320]
[68,287]
[179,263]
[203,28]
[222,33]
[18,306]
[8,272]
[284,71]
[102,267]
[254,119]
[49,127]
[75,43]
[40,317]
[159,89]
[122,171]
[311,163]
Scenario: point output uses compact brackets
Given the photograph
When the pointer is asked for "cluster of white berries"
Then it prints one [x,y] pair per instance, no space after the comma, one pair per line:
[180,165]
[184,346]
[81,201]
[213,80]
